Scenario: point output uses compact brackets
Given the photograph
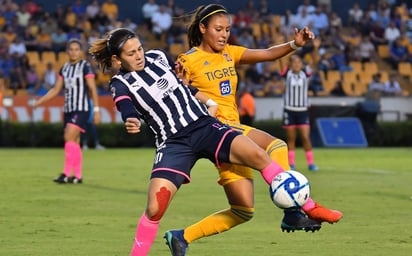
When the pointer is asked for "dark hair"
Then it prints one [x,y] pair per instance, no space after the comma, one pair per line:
[74,41]
[103,49]
[202,15]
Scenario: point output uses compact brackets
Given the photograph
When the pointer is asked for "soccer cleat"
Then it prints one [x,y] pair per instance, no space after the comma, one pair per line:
[296,220]
[100,147]
[313,168]
[292,167]
[176,242]
[61,179]
[75,180]
[323,214]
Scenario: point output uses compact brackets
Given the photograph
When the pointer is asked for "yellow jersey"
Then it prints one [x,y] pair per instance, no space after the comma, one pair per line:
[214,74]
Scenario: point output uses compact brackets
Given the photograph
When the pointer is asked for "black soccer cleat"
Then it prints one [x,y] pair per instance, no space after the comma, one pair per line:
[176,242]
[296,220]
[75,180]
[61,179]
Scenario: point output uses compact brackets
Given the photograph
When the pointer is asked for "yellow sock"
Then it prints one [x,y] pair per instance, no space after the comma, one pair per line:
[218,222]
[278,151]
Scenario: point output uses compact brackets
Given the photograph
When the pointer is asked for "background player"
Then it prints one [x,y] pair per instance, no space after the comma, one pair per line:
[77,79]
[295,111]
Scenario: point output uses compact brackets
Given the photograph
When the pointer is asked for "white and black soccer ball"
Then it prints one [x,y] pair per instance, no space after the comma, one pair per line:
[289,189]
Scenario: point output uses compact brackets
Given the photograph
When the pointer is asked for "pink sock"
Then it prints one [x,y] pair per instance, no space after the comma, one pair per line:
[310,204]
[291,155]
[309,157]
[77,161]
[69,149]
[145,235]
[270,172]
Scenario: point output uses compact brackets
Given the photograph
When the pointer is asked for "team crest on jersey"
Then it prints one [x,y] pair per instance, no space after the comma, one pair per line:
[225,88]
[162,84]
[227,57]
[206,63]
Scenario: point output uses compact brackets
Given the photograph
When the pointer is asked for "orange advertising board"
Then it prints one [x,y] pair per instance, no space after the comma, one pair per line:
[18,109]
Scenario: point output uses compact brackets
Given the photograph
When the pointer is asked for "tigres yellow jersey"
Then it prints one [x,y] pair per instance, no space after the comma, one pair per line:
[214,75]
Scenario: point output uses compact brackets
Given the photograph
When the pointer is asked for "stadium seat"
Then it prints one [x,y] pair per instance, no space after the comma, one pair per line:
[405,69]
[176,49]
[356,66]
[256,30]
[33,56]
[48,56]
[371,67]
[383,51]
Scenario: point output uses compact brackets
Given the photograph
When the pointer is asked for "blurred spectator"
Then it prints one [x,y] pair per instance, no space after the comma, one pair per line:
[173,9]
[31,6]
[17,47]
[59,40]
[320,22]
[16,79]
[49,26]
[398,53]
[176,33]
[376,85]
[9,34]
[110,8]
[100,22]
[264,10]
[377,34]
[355,15]
[246,107]
[78,8]
[253,78]
[392,32]
[29,40]
[148,10]
[43,41]
[339,61]
[335,21]
[366,50]
[128,23]
[23,16]
[315,82]
[287,24]
[338,89]
[307,6]
[9,13]
[92,9]
[161,22]
[48,80]
[246,39]
[241,20]
[392,86]
[303,19]
[32,79]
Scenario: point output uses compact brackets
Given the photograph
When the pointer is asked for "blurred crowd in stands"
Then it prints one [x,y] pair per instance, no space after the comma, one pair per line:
[370,49]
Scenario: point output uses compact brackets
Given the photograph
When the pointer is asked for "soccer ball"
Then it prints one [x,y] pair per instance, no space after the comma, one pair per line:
[289,189]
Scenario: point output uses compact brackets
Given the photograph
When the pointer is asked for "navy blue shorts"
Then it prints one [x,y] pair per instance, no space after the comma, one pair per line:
[205,138]
[295,118]
[78,119]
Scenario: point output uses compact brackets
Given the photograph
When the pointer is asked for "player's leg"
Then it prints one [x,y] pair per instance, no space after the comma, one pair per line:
[161,192]
[75,126]
[291,142]
[304,131]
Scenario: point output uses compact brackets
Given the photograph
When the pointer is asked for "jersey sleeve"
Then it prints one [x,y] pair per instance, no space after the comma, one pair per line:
[236,52]
[122,99]
[88,70]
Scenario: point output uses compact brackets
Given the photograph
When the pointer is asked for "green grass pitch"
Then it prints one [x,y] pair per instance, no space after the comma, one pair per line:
[37,217]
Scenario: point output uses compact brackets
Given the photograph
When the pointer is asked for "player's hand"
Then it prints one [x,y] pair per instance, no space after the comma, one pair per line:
[213,110]
[132,125]
[303,36]
[96,117]
[181,73]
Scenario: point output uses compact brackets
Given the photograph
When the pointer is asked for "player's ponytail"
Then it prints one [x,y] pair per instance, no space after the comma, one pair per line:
[103,49]
[202,15]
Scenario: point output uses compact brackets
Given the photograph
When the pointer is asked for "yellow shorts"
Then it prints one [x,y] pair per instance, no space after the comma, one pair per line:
[232,172]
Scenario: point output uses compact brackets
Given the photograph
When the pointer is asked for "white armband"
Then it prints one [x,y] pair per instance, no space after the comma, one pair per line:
[210,103]
[293,45]
[96,109]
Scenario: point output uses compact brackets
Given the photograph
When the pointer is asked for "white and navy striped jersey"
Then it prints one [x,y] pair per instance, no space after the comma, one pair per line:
[296,91]
[158,95]
[76,90]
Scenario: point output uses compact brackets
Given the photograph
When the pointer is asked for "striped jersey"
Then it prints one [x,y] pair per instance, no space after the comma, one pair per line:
[296,91]
[76,90]
[158,95]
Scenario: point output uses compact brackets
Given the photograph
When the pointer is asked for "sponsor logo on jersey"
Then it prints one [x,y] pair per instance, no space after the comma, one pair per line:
[206,63]
[227,57]
[162,84]
[225,88]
